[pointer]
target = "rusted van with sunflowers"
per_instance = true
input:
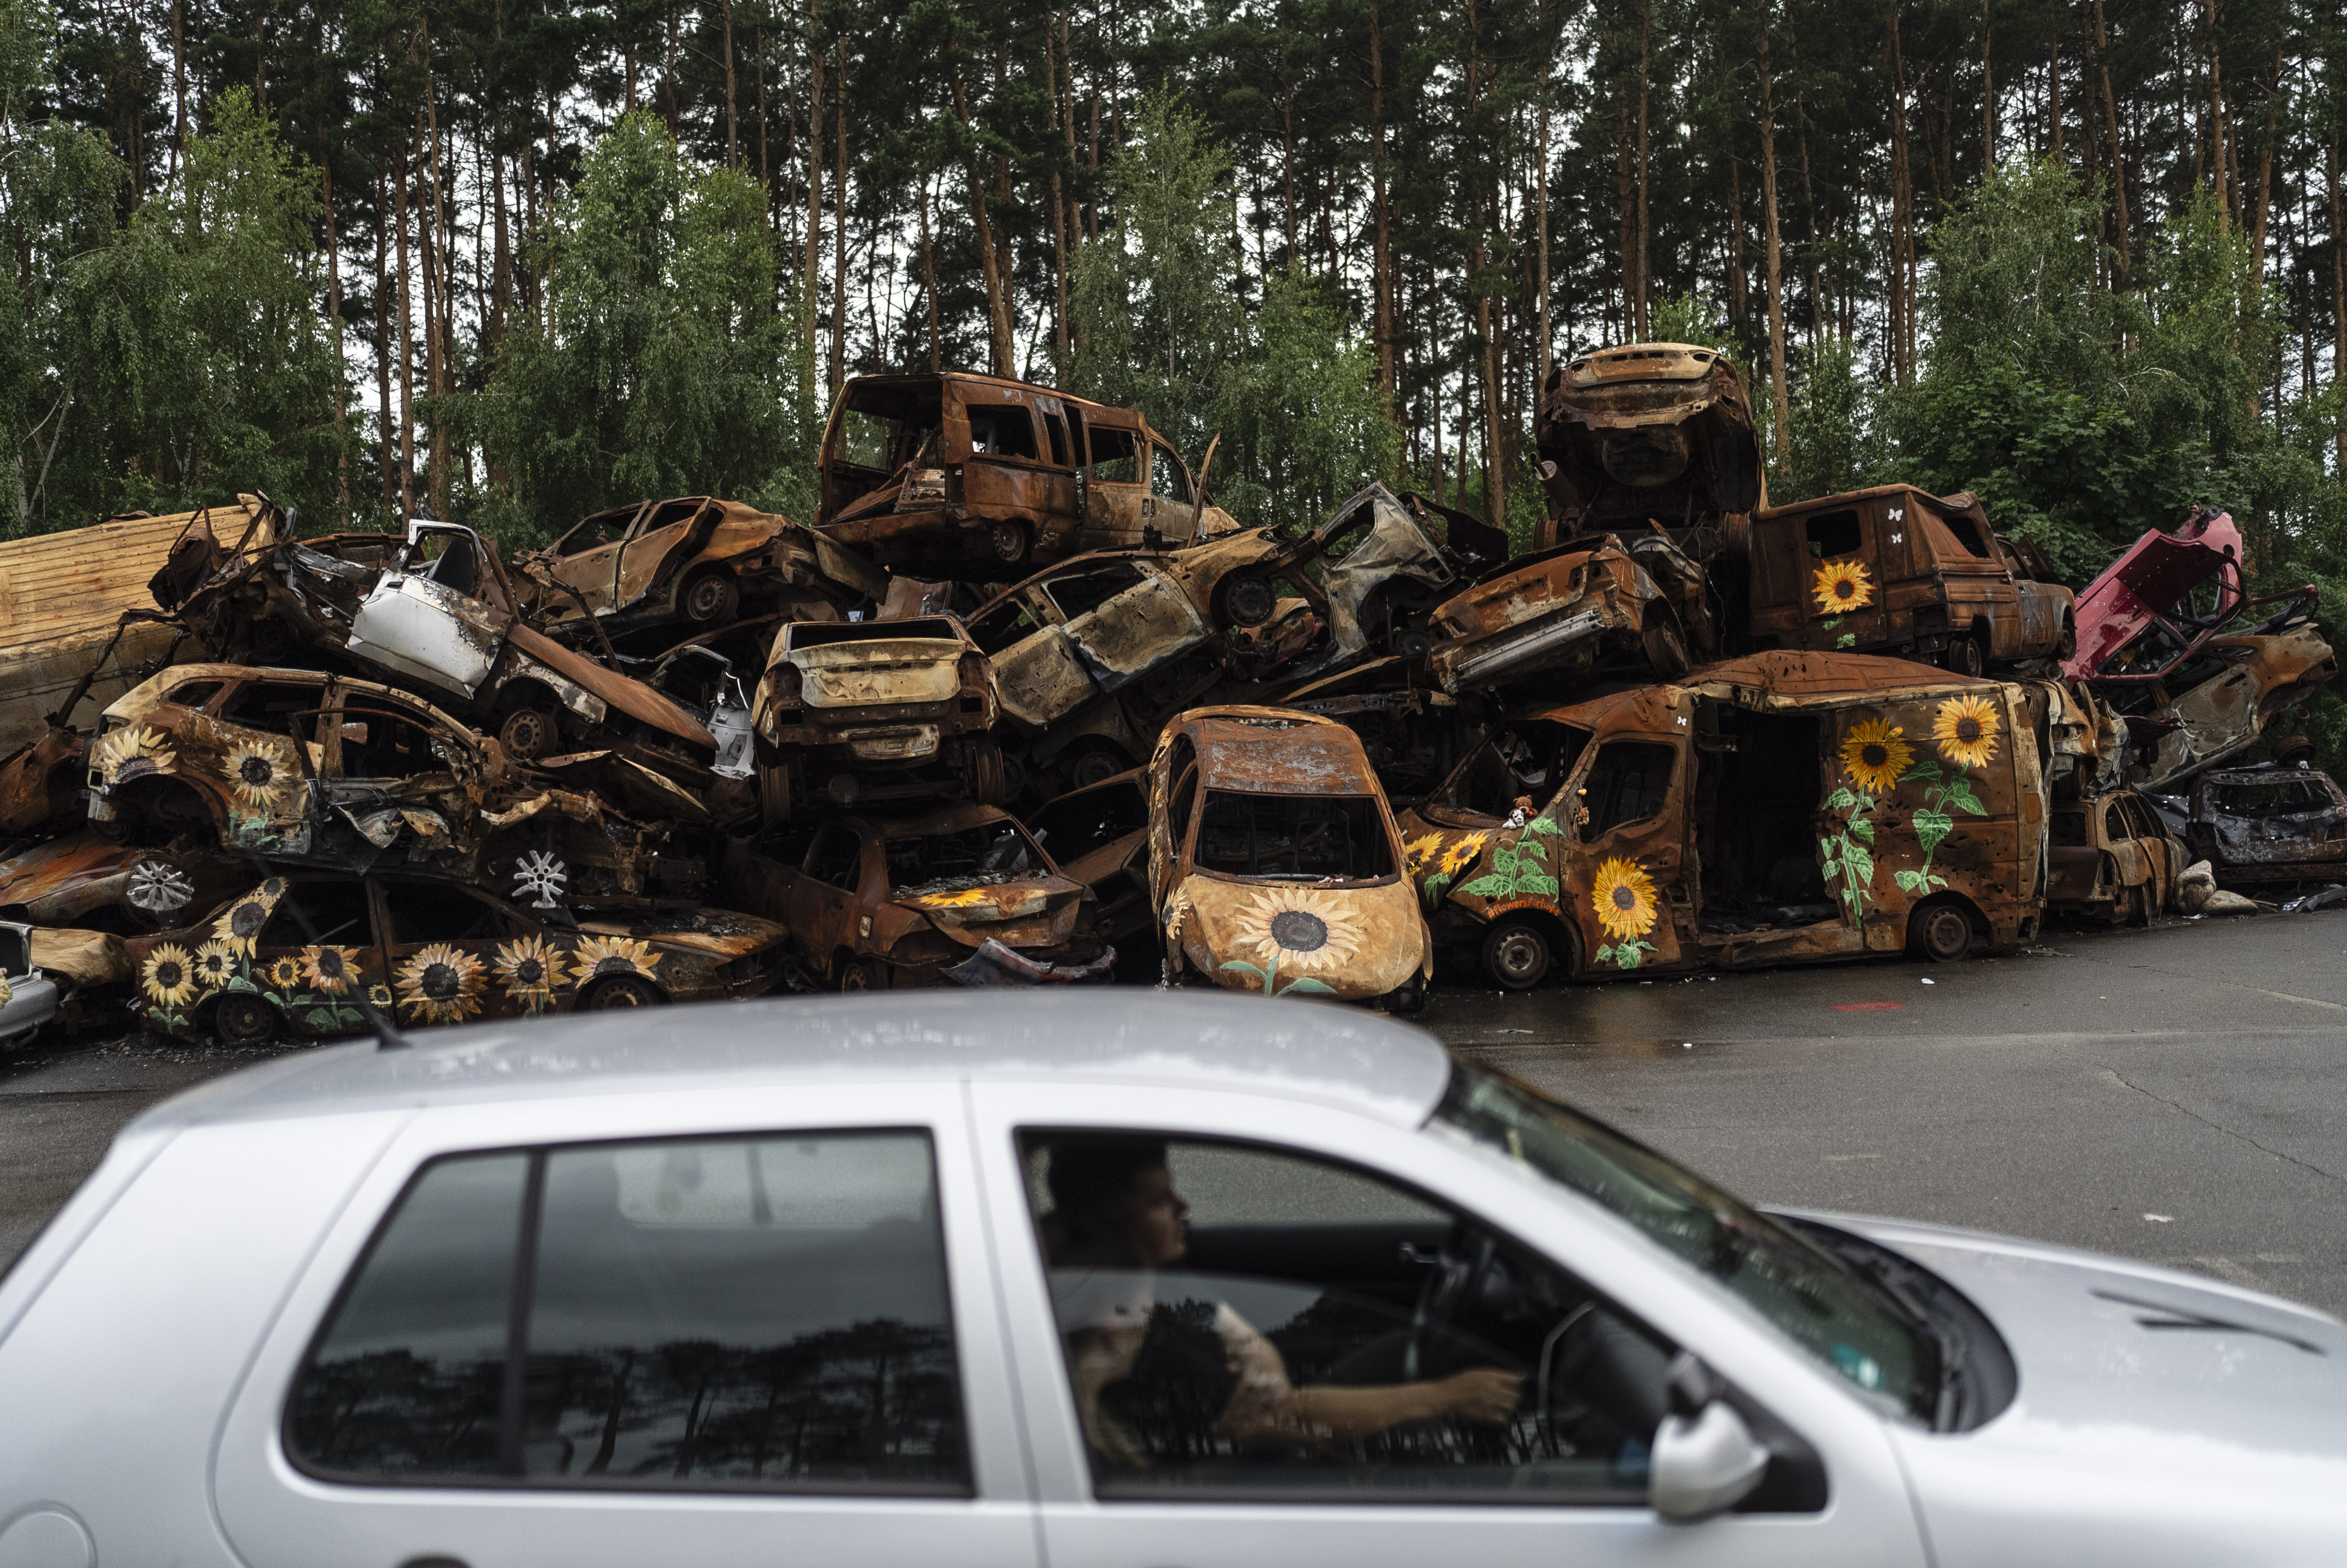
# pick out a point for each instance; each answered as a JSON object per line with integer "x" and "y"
{"x": 1899, "y": 570}
{"x": 1275, "y": 863}
{"x": 1772, "y": 809}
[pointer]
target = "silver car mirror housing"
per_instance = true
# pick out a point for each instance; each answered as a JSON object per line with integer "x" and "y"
{"x": 1705, "y": 1460}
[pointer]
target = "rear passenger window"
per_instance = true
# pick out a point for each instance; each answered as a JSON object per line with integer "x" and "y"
{"x": 765, "y": 1312}
{"x": 1833, "y": 534}
{"x": 1628, "y": 784}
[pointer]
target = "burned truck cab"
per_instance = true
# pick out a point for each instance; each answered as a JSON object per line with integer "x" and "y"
{"x": 959, "y": 476}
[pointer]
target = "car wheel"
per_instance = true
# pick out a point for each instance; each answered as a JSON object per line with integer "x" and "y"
{"x": 1008, "y": 542}
{"x": 1245, "y": 600}
{"x": 1941, "y": 932}
{"x": 710, "y": 599}
{"x": 987, "y": 782}
{"x": 2139, "y": 905}
{"x": 1666, "y": 647}
{"x": 621, "y": 991}
{"x": 859, "y": 975}
{"x": 2067, "y": 645}
{"x": 774, "y": 795}
{"x": 1516, "y": 955}
{"x": 528, "y": 734}
{"x": 1094, "y": 768}
{"x": 240, "y": 1017}
{"x": 1407, "y": 1000}
{"x": 1968, "y": 656}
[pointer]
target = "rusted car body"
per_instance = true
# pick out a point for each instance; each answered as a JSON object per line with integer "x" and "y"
{"x": 1649, "y": 436}
{"x": 1585, "y": 607}
{"x": 41, "y": 784}
{"x": 292, "y": 954}
{"x": 1895, "y": 569}
{"x": 2268, "y": 825}
{"x": 81, "y": 880}
{"x": 64, "y": 598}
{"x": 875, "y": 711}
{"x": 1772, "y": 809}
{"x": 2189, "y": 711}
{"x": 2184, "y": 582}
{"x": 1413, "y": 733}
{"x": 923, "y": 901}
{"x": 693, "y": 563}
{"x": 1275, "y": 866}
{"x": 961, "y": 475}
{"x": 2111, "y": 857}
{"x": 1100, "y": 837}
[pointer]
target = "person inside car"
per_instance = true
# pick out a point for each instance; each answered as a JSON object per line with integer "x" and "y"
{"x": 1163, "y": 1379}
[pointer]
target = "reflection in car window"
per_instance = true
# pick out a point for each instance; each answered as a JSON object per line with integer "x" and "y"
{"x": 1248, "y": 1318}
{"x": 1293, "y": 835}
{"x": 1815, "y": 1298}
{"x": 766, "y": 1312}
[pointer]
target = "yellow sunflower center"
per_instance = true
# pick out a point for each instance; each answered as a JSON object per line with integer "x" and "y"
{"x": 1299, "y": 931}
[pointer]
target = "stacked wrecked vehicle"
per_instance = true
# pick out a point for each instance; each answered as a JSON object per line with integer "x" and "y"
{"x": 1020, "y": 706}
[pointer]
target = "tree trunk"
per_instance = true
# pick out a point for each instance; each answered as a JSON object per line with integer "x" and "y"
{"x": 1381, "y": 260}
{"x": 839, "y": 218}
{"x": 1988, "y": 93}
{"x": 178, "y": 93}
{"x": 1645, "y": 69}
{"x": 2111, "y": 119}
{"x": 814, "y": 185}
{"x": 997, "y": 307}
{"x": 1782, "y": 402}
{"x": 1059, "y": 212}
{"x": 668, "y": 71}
{"x": 1903, "y": 219}
{"x": 1540, "y": 282}
{"x": 929, "y": 277}
{"x": 1288, "y": 164}
{"x": 406, "y": 361}
{"x": 2338, "y": 297}
{"x": 342, "y": 367}
{"x": 733, "y": 132}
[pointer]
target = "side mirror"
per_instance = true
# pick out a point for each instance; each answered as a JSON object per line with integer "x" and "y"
{"x": 1705, "y": 1460}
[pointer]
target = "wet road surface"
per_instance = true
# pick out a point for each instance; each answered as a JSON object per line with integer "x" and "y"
{"x": 2177, "y": 1095}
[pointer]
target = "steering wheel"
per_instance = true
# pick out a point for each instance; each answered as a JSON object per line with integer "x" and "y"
{"x": 1467, "y": 1256}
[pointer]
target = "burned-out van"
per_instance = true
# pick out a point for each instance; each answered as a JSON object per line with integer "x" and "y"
{"x": 1771, "y": 809}
{"x": 1895, "y": 569}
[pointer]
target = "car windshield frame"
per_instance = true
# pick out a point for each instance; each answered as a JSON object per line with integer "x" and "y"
{"x": 1876, "y": 1345}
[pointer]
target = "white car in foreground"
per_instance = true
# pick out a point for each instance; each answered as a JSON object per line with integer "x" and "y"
{"x": 1078, "y": 1279}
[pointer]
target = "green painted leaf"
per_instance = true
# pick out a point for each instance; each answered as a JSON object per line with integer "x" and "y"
{"x": 1493, "y": 887}
{"x": 1535, "y": 882}
{"x": 1606, "y": 954}
{"x": 1912, "y": 881}
{"x": 1530, "y": 851}
{"x": 1863, "y": 827}
{"x": 1862, "y": 862}
{"x": 1965, "y": 800}
{"x": 1243, "y": 966}
{"x": 320, "y": 1019}
{"x": 1932, "y": 828}
{"x": 1541, "y": 825}
{"x": 1846, "y": 639}
{"x": 1630, "y": 954}
{"x": 1308, "y": 987}
{"x": 1841, "y": 798}
{"x": 240, "y": 983}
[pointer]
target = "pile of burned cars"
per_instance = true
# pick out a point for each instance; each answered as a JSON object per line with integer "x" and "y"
{"x": 1020, "y": 705}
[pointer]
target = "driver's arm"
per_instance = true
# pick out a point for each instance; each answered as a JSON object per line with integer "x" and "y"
{"x": 1265, "y": 1404}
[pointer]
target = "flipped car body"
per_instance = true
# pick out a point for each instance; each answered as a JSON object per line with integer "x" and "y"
{"x": 1649, "y": 436}
{"x": 1566, "y": 612}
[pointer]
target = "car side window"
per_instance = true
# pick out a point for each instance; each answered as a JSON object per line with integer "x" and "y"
{"x": 1628, "y": 782}
{"x": 787, "y": 843}
{"x": 1001, "y": 430}
{"x": 1238, "y": 1318}
{"x": 433, "y": 912}
{"x": 837, "y": 857}
{"x": 1081, "y": 592}
{"x": 765, "y": 1312}
{"x": 336, "y": 912}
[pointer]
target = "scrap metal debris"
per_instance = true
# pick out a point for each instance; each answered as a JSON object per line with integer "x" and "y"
{"x": 1020, "y": 697}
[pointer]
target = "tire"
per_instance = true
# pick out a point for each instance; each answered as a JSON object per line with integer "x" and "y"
{"x": 621, "y": 991}
{"x": 1244, "y": 599}
{"x": 1967, "y": 656}
{"x": 2139, "y": 905}
{"x": 858, "y": 975}
{"x": 774, "y": 795}
{"x": 1517, "y": 955}
{"x": 709, "y": 598}
{"x": 1407, "y": 1000}
{"x": 987, "y": 782}
{"x": 1006, "y": 541}
{"x": 1095, "y": 767}
{"x": 1665, "y": 646}
{"x": 1939, "y": 931}
{"x": 242, "y": 1018}
{"x": 529, "y": 732}
{"x": 2067, "y": 646}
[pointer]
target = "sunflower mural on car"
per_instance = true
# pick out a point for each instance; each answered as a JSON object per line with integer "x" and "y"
{"x": 1434, "y": 865}
{"x": 170, "y": 982}
{"x": 216, "y": 963}
{"x": 532, "y": 971}
{"x": 1623, "y": 896}
{"x": 1874, "y": 754}
{"x": 1301, "y": 930}
{"x": 330, "y": 969}
{"x": 239, "y": 924}
{"x": 134, "y": 752}
{"x": 1964, "y": 730}
{"x": 599, "y": 958}
{"x": 1842, "y": 585}
{"x": 441, "y": 983}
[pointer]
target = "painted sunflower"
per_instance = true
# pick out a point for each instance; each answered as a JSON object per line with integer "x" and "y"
{"x": 440, "y": 984}
{"x": 601, "y": 955}
{"x": 1842, "y": 585}
{"x": 1965, "y": 731}
{"x": 333, "y": 970}
{"x": 215, "y": 962}
{"x": 285, "y": 973}
{"x": 261, "y": 773}
{"x": 379, "y": 994}
{"x": 133, "y": 753}
{"x": 1419, "y": 854}
{"x": 1876, "y": 753}
{"x": 1622, "y": 894}
{"x": 169, "y": 976}
{"x": 1301, "y": 929}
{"x": 242, "y": 921}
{"x": 532, "y": 971}
{"x": 1462, "y": 853}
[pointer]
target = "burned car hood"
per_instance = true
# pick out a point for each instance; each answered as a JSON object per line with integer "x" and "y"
{"x": 1660, "y": 431}
{"x": 721, "y": 933}
{"x": 1025, "y": 910}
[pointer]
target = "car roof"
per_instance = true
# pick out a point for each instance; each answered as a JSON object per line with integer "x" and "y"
{"x": 1295, "y": 1050}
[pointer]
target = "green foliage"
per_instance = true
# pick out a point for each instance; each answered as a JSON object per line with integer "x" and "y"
{"x": 1847, "y": 857}
{"x": 1832, "y": 446}
{"x": 663, "y": 367}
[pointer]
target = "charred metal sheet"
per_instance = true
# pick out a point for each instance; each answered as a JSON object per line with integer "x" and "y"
{"x": 1649, "y": 435}
{"x": 83, "y": 960}
{"x": 2189, "y": 577}
{"x": 2110, "y": 857}
{"x": 1572, "y": 611}
{"x": 1895, "y": 569}
{"x": 1385, "y": 577}
{"x": 2212, "y": 704}
{"x": 1275, "y": 866}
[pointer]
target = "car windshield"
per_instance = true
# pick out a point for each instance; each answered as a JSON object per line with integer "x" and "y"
{"x": 960, "y": 859}
{"x": 1293, "y": 836}
{"x": 1822, "y": 1304}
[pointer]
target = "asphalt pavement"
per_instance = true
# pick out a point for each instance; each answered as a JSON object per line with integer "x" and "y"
{"x": 2177, "y": 1094}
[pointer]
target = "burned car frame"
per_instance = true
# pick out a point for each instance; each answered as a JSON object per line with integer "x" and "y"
{"x": 1653, "y": 436}
{"x": 2111, "y": 857}
{"x": 1575, "y": 610}
{"x": 2268, "y": 825}
{"x": 2194, "y": 697}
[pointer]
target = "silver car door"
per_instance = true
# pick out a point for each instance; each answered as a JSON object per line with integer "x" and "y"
{"x": 1265, "y": 1495}
{"x": 759, "y": 1326}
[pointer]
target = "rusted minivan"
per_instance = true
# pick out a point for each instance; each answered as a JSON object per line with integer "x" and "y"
{"x": 957, "y": 475}
{"x": 1273, "y": 863}
{"x": 1771, "y": 809}
{"x": 1895, "y": 569}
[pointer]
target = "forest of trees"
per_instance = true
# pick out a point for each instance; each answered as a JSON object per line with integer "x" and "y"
{"x": 516, "y": 259}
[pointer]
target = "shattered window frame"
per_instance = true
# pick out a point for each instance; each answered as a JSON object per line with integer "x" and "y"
{"x": 1366, "y": 852}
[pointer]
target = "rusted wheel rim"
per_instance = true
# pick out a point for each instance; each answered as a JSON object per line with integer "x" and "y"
{"x": 704, "y": 598}
{"x": 244, "y": 1020}
{"x": 528, "y": 734}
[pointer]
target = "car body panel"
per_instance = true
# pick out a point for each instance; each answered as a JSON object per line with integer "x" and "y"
{"x": 1223, "y": 925}
{"x": 2156, "y": 578}
{"x": 1649, "y": 435}
{"x": 914, "y": 698}
{"x": 1561, "y": 612}
{"x": 2212, "y": 703}
{"x": 1102, "y": 834}
{"x": 81, "y": 880}
{"x": 1705, "y": 877}
{"x": 28, "y": 998}
{"x": 2112, "y": 856}
{"x": 1920, "y": 572}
